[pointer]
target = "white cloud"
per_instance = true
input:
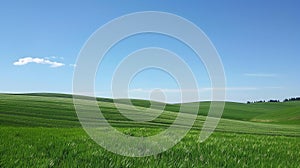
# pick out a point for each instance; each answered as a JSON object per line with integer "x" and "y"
{"x": 260, "y": 75}
{"x": 26, "y": 60}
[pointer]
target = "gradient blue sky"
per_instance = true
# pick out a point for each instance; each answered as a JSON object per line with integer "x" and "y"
{"x": 258, "y": 42}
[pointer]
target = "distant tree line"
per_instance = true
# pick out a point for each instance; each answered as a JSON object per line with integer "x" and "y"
{"x": 285, "y": 100}
{"x": 292, "y": 99}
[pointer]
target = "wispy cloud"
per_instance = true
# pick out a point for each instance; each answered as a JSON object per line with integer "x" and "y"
{"x": 72, "y": 65}
{"x": 194, "y": 90}
{"x": 26, "y": 60}
{"x": 260, "y": 74}
{"x": 274, "y": 87}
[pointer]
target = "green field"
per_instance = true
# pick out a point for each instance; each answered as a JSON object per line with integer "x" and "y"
{"x": 42, "y": 130}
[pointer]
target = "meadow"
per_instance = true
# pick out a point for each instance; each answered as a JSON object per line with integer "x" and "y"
{"x": 42, "y": 130}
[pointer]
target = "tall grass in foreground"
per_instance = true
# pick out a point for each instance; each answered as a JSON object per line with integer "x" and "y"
{"x": 71, "y": 147}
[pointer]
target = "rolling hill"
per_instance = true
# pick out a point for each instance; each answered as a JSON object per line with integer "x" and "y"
{"x": 60, "y": 107}
{"x": 42, "y": 130}
{"x": 57, "y": 110}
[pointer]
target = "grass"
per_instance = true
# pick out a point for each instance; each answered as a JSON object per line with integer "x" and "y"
{"x": 279, "y": 112}
{"x": 42, "y": 130}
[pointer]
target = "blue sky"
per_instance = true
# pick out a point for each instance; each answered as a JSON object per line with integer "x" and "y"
{"x": 258, "y": 42}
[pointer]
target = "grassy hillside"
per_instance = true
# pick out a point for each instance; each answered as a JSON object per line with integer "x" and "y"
{"x": 277, "y": 112}
{"x": 57, "y": 110}
{"x": 268, "y": 112}
{"x": 42, "y": 130}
